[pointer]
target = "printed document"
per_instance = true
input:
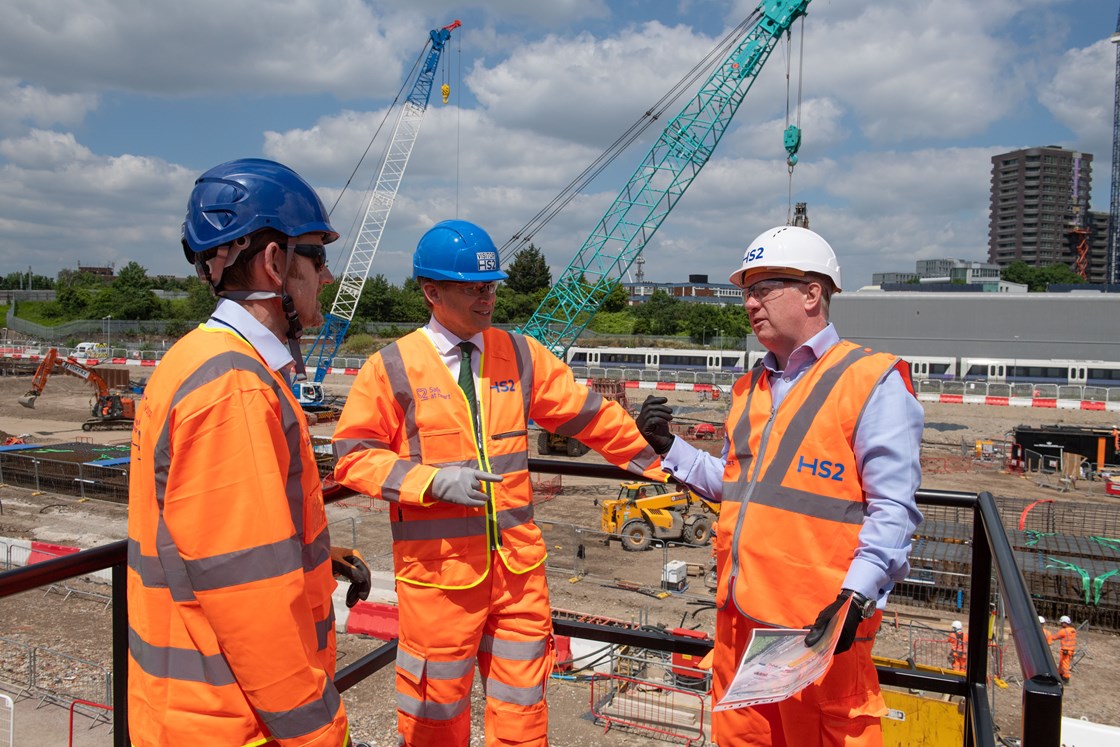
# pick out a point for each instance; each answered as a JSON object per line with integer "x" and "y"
{"x": 778, "y": 664}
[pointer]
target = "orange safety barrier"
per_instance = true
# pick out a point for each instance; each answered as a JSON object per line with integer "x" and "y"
{"x": 546, "y": 489}
{"x": 938, "y": 652}
{"x": 670, "y": 712}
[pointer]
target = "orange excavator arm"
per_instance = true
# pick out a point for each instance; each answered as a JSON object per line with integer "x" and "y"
{"x": 47, "y": 367}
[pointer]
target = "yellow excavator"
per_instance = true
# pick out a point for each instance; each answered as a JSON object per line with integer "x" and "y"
{"x": 110, "y": 410}
{"x": 645, "y": 511}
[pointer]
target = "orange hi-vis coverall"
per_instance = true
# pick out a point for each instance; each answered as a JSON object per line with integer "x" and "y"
{"x": 471, "y": 581}
{"x": 1067, "y": 634}
{"x": 788, "y": 528}
{"x": 231, "y": 624}
{"x": 957, "y": 647}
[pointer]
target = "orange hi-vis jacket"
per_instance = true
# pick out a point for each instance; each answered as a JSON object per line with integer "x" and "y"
{"x": 793, "y": 503}
{"x": 406, "y": 417}
{"x": 231, "y": 625}
{"x": 1067, "y": 634}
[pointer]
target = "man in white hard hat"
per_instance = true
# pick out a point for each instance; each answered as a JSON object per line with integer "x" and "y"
{"x": 817, "y": 479}
{"x": 957, "y": 646}
{"x": 1067, "y": 634}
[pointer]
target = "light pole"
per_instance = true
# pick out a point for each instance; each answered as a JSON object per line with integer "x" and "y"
{"x": 720, "y": 333}
{"x": 108, "y": 331}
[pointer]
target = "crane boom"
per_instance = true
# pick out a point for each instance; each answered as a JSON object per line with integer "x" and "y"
{"x": 378, "y": 205}
{"x": 679, "y": 154}
{"x": 1113, "y": 268}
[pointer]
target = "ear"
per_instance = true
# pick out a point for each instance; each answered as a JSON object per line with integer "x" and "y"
{"x": 273, "y": 263}
{"x": 813, "y": 295}
{"x": 431, "y": 292}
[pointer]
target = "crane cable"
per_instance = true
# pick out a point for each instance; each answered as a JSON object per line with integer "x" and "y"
{"x": 791, "y": 158}
{"x": 373, "y": 139}
{"x": 632, "y": 133}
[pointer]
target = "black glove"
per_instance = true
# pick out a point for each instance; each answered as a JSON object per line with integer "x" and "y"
{"x": 653, "y": 423}
{"x": 349, "y": 564}
{"x": 850, "y": 623}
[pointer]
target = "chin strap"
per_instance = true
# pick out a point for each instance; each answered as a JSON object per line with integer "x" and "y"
{"x": 295, "y": 329}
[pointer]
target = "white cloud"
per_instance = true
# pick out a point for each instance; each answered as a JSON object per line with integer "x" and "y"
{"x": 1081, "y": 96}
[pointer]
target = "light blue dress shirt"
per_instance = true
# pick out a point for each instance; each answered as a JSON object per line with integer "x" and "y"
{"x": 887, "y": 445}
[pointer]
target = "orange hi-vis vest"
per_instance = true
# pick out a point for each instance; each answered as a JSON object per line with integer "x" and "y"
{"x": 793, "y": 503}
{"x": 406, "y": 417}
{"x": 231, "y": 623}
{"x": 1068, "y": 637}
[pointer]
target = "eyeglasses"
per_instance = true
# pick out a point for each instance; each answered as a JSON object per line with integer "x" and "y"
{"x": 762, "y": 290}
{"x": 317, "y": 253}
{"x": 475, "y": 290}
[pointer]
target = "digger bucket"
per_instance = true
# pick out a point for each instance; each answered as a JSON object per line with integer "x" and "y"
{"x": 28, "y": 400}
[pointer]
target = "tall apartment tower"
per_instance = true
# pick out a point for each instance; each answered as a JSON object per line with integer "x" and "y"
{"x": 1038, "y": 194}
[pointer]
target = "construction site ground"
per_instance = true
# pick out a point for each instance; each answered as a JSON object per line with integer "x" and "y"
{"x": 585, "y": 576}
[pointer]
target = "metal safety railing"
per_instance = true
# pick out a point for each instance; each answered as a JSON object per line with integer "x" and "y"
{"x": 992, "y": 555}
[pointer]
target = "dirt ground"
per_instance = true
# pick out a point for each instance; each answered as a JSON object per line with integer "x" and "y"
{"x": 599, "y": 580}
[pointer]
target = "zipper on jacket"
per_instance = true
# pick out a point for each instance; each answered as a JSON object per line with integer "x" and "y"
{"x": 493, "y": 534}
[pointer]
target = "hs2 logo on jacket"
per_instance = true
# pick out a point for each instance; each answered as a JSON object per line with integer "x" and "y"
{"x": 821, "y": 468}
{"x": 506, "y": 385}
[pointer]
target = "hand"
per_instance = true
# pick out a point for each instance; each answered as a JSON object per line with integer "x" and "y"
{"x": 653, "y": 423}
{"x": 349, "y": 563}
{"x": 850, "y": 623}
{"x": 462, "y": 485}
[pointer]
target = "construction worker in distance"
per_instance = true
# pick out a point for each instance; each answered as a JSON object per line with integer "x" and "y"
{"x": 817, "y": 481}
{"x": 437, "y": 424}
{"x": 1067, "y": 634}
{"x": 958, "y": 644}
{"x": 231, "y": 570}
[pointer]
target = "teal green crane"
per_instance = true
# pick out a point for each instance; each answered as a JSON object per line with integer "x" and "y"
{"x": 659, "y": 182}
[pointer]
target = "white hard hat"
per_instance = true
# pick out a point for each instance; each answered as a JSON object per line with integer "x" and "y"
{"x": 1064, "y": 620}
{"x": 788, "y": 248}
{"x": 956, "y": 625}
{"x": 1041, "y": 620}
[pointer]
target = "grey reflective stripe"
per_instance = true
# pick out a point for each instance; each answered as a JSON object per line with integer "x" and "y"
{"x": 175, "y": 570}
{"x": 514, "y": 517}
{"x": 414, "y": 665}
{"x": 147, "y": 567}
{"x": 391, "y": 488}
{"x": 523, "y": 696}
{"x": 306, "y": 718}
{"x": 644, "y": 459}
{"x": 805, "y": 503}
{"x": 430, "y": 710}
{"x": 505, "y": 464}
{"x": 402, "y": 392}
{"x": 514, "y": 650}
{"x": 524, "y": 360}
{"x": 855, "y": 429}
{"x": 185, "y": 664}
{"x": 345, "y": 446}
{"x": 323, "y": 629}
{"x": 734, "y": 491}
{"x": 245, "y": 566}
{"x": 803, "y": 419}
{"x": 434, "y": 529}
{"x": 586, "y": 414}
{"x": 449, "y": 670}
{"x": 151, "y": 574}
{"x": 466, "y": 463}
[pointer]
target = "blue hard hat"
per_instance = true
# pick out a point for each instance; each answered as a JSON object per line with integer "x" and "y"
{"x": 459, "y": 251}
{"x": 237, "y": 198}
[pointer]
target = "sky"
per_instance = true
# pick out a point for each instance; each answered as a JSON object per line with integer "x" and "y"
{"x": 109, "y": 109}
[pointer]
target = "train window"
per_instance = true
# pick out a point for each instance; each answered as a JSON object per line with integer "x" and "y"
{"x": 938, "y": 369}
{"x": 578, "y": 358}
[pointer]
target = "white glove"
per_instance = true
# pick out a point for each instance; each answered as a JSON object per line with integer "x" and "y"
{"x": 462, "y": 485}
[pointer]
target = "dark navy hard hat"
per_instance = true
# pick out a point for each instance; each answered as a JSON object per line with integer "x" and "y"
{"x": 240, "y": 197}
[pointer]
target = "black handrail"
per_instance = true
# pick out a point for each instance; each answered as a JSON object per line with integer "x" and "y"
{"x": 1042, "y": 689}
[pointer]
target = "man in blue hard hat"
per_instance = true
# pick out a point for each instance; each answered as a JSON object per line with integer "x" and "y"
{"x": 437, "y": 424}
{"x": 231, "y": 570}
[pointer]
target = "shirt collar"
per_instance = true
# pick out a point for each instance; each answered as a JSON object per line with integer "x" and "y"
{"x": 232, "y": 315}
{"x": 805, "y": 354}
{"x": 446, "y": 341}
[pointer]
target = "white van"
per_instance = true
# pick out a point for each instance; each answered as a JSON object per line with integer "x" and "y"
{"x": 90, "y": 350}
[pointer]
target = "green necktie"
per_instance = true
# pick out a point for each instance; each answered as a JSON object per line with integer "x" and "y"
{"x": 466, "y": 379}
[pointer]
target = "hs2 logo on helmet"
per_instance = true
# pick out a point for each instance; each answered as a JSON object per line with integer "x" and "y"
{"x": 487, "y": 261}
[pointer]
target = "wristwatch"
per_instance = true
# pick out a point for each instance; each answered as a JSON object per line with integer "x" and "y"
{"x": 865, "y": 606}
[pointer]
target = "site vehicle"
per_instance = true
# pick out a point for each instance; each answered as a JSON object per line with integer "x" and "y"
{"x": 554, "y": 443}
{"x": 111, "y": 409}
{"x": 644, "y": 511}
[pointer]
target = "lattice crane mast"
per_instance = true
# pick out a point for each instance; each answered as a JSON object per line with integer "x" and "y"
{"x": 378, "y": 205}
{"x": 1113, "y": 269}
{"x": 679, "y": 154}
